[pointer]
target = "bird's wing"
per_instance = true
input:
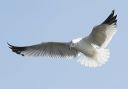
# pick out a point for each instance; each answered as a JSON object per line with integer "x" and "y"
{"x": 52, "y": 49}
{"x": 103, "y": 33}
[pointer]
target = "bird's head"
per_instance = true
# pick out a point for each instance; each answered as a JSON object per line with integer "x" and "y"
{"x": 72, "y": 44}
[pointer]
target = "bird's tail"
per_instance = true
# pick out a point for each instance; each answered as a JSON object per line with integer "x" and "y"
{"x": 97, "y": 60}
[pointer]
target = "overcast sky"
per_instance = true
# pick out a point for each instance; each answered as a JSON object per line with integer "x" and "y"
{"x": 26, "y": 22}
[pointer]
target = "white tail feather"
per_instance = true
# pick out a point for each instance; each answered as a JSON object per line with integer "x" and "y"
{"x": 97, "y": 60}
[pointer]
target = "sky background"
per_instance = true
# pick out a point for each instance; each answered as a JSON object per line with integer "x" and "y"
{"x": 26, "y": 22}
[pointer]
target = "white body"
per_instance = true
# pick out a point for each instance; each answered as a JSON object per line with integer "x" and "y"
{"x": 91, "y": 54}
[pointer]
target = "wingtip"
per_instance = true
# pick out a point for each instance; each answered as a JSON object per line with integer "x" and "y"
{"x": 111, "y": 18}
{"x": 16, "y": 49}
{"x": 9, "y": 45}
{"x": 113, "y": 11}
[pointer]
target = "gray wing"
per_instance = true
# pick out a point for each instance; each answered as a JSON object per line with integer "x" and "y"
{"x": 52, "y": 49}
{"x": 102, "y": 34}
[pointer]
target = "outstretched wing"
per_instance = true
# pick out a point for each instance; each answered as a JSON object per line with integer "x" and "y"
{"x": 102, "y": 34}
{"x": 52, "y": 49}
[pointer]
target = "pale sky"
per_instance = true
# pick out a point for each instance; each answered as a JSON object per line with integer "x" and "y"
{"x": 26, "y": 22}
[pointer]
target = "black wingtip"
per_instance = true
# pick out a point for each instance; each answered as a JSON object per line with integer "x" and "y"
{"x": 16, "y": 49}
{"x": 111, "y": 19}
{"x": 10, "y": 46}
{"x": 113, "y": 11}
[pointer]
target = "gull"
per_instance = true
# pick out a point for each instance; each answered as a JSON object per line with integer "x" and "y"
{"x": 91, "y": 50}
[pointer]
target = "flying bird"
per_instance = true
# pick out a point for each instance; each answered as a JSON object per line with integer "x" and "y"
{"x": 91, "y": 51}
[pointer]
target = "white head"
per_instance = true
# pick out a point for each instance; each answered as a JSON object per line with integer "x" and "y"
{"x": 74, "y": 42}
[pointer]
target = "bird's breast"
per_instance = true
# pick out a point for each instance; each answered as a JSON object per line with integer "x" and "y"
{"x": 86, "y": 48}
